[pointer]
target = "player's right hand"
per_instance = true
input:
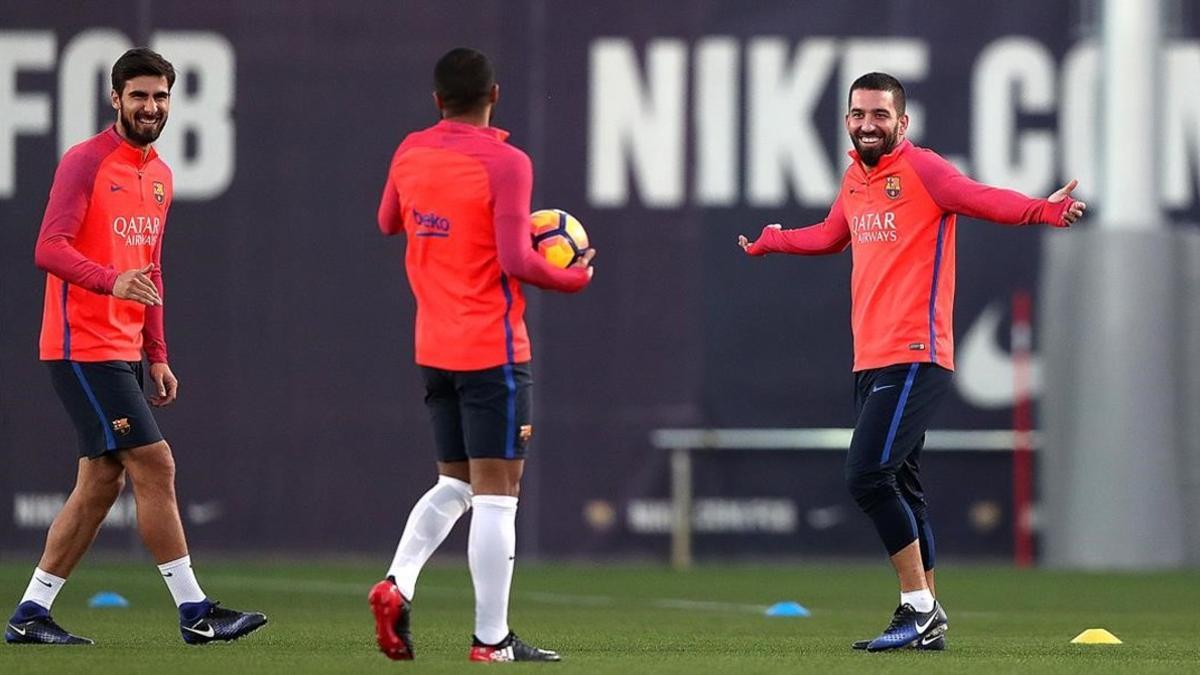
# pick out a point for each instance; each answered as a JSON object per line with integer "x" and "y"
{"x": 746, "y": 244}
{"x": 1075, "y": 208}
{"x": 585, "y": 261}
{"x": 136, "y": 285}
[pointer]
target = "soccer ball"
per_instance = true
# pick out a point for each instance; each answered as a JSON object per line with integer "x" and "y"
{"x": 558, "y": 237}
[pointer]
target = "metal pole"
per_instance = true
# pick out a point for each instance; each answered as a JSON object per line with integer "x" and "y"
{"x": 1022, "y": 347}
{"x": 681, "y": 503}
{"x": 1131, "y": 58}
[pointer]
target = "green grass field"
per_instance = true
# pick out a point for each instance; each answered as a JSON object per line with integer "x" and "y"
{"x": 631, "y": 619}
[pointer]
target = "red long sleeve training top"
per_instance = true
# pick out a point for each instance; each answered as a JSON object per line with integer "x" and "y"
{"x": 899, "y": 219}
{"x": 107, "y": 211}
{"x": 462, "y": 196}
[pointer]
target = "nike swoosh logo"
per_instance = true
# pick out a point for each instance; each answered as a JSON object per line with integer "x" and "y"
{"x": 114, "y": 188}
{"x": 928, "y": 639}
{"x": 47, "y": 584}
{"x": 168, "y": 574}
{"x": 922, "y": 629}
{"x": 886, "y": 386}
{"x": 16, "y": 630}
{"x": 206, "y": 633}
{"x": 984, "y": 376}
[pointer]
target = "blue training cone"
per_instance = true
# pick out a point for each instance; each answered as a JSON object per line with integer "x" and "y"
{"x": 788, "y": 608}
{"x": 108, "y": 599}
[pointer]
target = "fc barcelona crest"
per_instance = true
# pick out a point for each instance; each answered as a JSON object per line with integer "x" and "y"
{"x": 891, "y": 187}
{"x": 121, "y": 426}
{"x": 160, "y": 192}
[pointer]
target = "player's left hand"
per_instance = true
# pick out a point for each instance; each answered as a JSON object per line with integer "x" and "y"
{"x": 165, "y": 385}
{"x": 746, "y": 243}
{"x": 1075, "y": 210}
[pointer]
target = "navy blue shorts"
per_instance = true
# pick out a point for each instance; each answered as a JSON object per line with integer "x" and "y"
{"x": 480, "y": 414}
{"x": 106, "y": 404}
{"x": 895, "y": 406}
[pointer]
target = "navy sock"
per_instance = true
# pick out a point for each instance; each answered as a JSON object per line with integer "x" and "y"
{"x": 191, "y": 612}
{"x": 28, "y": 610}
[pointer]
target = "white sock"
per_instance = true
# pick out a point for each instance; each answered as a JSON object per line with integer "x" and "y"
{"x": 921, "y": 600}
{"x": 43, "y": 588}
{"x": 430, "y": 521}
{"x": 490, "y": 551}
{"x": 181, "y": 581}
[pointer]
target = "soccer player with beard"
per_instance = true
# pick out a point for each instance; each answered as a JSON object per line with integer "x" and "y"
{"x": 896, "y": 210}
{"x": 101, "y": 248}
{"x": 460, "y": 193}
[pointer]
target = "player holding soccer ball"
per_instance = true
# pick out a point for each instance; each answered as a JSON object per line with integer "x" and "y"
{"x": 461, "y": 195}
{"x": 896, "y": 210}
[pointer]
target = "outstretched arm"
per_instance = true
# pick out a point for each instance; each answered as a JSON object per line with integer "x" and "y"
{"x": 831, "y": 235}
{"x": 956, "y": 193}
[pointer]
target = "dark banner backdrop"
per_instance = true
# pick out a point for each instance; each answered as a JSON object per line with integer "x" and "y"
{"x": 300, "y": 425}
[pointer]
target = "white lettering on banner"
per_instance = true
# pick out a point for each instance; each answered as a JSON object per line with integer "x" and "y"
{"x": 636, "y": 123}
{"x": 637, "y": 120}
{"x": 21, "y": 112}
{"x": 203, "y": 112}
{"x": 1078, "y": 128}
{"x": 734, "y": 516}
{"x": 1181, "y": 126}
{"x": 1012, "y": 75}
{"x": 36, "y": 510}
{"x": 716, "y": 116}
{"x": 84, "y": 81}
{"x": 781, "y": 133}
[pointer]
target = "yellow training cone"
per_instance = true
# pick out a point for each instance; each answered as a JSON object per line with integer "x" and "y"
{"x": 1096, "y": 636}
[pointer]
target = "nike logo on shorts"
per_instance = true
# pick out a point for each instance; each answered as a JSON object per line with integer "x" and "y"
{"x": 879, "y": 388}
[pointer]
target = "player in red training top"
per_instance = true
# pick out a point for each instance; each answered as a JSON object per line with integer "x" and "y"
{"x": 461, "y": 195}
{"x": 101, "y": 246}
{"x": 896, "y": 210}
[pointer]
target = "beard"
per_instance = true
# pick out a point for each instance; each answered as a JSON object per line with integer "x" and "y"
{"x": 870, "y": 155}
{"x": 139, "y": 133}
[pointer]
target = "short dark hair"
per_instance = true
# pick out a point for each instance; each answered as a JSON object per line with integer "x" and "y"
{"x": 463, "y": 78}
{"x": 141, "y": 61}
{"x": 881, "y": 82}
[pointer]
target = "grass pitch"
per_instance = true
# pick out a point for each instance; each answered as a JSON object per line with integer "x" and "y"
{"x": 629, "y": 619}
